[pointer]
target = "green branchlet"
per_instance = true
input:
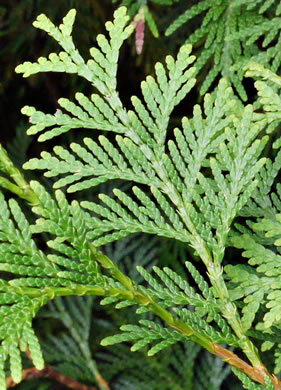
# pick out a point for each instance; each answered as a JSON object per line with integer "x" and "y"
{"x": 21, "y": 188}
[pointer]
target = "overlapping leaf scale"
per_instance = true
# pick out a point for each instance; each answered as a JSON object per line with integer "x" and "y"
{"x": 169, "y": 297}
{"x": 160, "y": 94}
{"x": 240, "y": 157}
{"x": 234, "y": 169}
{"x": 190, "y": 153}
{"x": 16, "y": 333}
{"x": 173, "y": 290}
{"x": 67, "y": 223}
{"x": 69, "y": 60}
{"x": 258, "y": 284}
{"x": 199, "y": 324}
{"x": 180, "y": 79}
{"x": 200, "y": 136}
{"x": 96, "y": 164}
{"x": 170, "y": 291}
{"x": 119, "y": 219}
{"x": 269, "y": 95}
{"x": 19, "y": 253}
{"x": 277, "y": 356}
{"x": 271, "y": 228}
{"x": 21, "y": 256}
{"x": 101, "y": 69}
{"x": 264, "y": 202}
{"x": 253, "y": 289}
{"x": 144, "y": 335}
{"x": 90, "y": 114}
{"x": 163, "y": 93}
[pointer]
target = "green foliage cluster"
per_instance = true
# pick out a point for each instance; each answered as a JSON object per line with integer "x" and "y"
{"x": 206, "y": 186}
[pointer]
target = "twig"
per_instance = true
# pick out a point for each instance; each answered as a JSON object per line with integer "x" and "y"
{"x": 258, "y": 374}
{"x": 49, "y": 373}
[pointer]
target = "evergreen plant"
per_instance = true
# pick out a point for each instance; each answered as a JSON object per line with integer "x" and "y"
{"x": 186, "y": 302}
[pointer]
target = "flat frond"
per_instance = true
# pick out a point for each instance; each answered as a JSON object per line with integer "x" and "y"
{"x": 146, "y": 334}
{"x": 258, "y": 283}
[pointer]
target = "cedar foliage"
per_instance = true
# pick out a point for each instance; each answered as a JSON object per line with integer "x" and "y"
{"x": 206, "y": 186}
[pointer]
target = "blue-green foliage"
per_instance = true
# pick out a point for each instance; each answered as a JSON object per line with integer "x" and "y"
{"x": 228, "y": 35}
